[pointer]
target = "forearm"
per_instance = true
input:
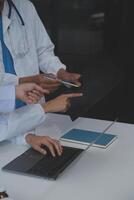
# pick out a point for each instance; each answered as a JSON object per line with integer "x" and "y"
{"x": 21, "y": 121}
{"x": 21, "y": 139}
{"x": 50, "y": 64}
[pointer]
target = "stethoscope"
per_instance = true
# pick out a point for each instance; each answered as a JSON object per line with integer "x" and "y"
{"x": 12, "y": 5}
{"x": 24, "y": 50}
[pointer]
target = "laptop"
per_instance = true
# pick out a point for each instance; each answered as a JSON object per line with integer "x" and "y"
{"x": 34, "y": 163}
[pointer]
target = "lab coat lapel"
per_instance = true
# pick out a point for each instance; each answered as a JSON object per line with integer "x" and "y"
{"x": 6, "y": 20}
{"x": 6, "y": 23}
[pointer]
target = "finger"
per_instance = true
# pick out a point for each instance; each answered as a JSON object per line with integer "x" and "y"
{"x": 38, "y": 93}
{"x": 73, "y": 95}
{"x": 78, "y": 83}
{"x": 29, "y": 99}
{"x": 39, "y": 149}
{"x": 52, "y": 86}
{"x": 57, "y": 146}
{"x": 50, "y": 75}
{"x": 49, "y": 86}
{"x": 44, "y": 91}
{"x": 48, "y": 80}
{"x": 33, "y": 95}
{"x": 61, "y": 148}
{"x": 76, "y": 76}
{"x": 51, "y": 147}
{"x": 73, "y": 76}
{"x": 40, "y": 89}
{"x": 32, "y": 99}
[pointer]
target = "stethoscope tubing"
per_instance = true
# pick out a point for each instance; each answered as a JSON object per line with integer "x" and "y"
{"x": 12, "y": 5}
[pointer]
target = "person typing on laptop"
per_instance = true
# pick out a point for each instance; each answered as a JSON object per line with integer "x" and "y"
{"x": 26, "y": 120}
{"x": 29, "y": 93}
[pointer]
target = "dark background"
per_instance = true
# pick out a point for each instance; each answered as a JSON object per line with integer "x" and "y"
{"x": 95, "y": 38}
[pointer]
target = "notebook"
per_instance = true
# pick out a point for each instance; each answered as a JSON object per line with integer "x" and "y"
{"x": 33, "y": 163}
{"x": 87, "y": 137}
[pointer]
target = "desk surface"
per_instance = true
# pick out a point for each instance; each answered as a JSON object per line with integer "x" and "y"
{"x": 97, "y": 174}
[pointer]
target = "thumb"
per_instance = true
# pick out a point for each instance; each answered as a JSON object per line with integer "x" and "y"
{"x": 76, "y": 76}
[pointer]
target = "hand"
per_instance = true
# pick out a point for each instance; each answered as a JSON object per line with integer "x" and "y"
{"x": 38, "y": 141}
{"x": 50, "y": 85}
{"x": 67, "y": 76}
{"x": 29, "y": 92}
{"x": 60, "y": 103}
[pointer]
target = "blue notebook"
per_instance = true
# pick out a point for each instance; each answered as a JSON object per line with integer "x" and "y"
{"x": 87, "y": 137}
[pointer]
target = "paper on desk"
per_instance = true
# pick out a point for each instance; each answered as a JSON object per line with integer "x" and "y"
{"x": 75, "y": 145}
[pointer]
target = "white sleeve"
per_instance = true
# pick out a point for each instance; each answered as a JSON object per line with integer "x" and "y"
{"x": 7, "y": 98}
{"x": 48, "y": 62}
{"x": 21, "y": 138}
{"x": 8, "y": 79}
{"x": 21, "y": 121}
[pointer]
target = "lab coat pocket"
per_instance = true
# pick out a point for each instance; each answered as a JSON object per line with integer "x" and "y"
{"x": 18, "y": 40}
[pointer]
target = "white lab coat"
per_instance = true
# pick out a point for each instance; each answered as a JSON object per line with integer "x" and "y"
{"x": 7, "y": 104}
{"x": 32, "y": 51}
{"x": 29, "y": 45}
{"x": 9, "y": 129}
{"x": 7, "y": 98}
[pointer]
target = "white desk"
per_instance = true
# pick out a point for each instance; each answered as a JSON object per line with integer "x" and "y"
{"x": 98, "y": 174}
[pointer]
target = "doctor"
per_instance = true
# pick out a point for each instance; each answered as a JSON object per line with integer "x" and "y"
{"x": 25, "y": 50}
{"x": 28, "y": 47}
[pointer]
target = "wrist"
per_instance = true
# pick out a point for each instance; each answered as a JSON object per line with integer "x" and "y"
{"x": 47, "y": 107}
{"x": 29, "y": 138}
{"x": 22, "y": 80}
{"x": 26, "y": 80}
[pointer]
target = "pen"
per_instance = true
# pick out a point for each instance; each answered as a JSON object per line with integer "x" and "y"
{"x": 66, "y": 83}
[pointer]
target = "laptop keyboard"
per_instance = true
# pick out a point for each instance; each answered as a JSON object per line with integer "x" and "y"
{"x": 51, "y": 166}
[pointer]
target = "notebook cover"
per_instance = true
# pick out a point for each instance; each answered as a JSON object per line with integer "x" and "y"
{"x": 87, "y": 137}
